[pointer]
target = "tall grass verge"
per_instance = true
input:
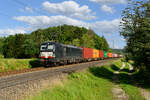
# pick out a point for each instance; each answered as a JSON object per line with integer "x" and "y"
{"x": 17, "y": 64}
{"x": 79, "y": 86}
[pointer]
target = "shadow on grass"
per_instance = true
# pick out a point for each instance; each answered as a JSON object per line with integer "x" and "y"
{"x": 124, "y": 78}
{"x": 35, "y": 63}
{"x": 126, "y": 70}
{"x": 114, "y": 67}
{"x": 143, "y": 79}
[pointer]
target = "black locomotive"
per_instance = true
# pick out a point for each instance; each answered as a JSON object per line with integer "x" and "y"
{"x": 57, "y": 53}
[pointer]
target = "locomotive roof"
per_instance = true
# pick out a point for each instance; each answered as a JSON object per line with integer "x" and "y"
{"x": 71, "y": 46}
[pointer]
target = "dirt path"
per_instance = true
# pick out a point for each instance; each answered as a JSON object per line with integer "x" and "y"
{"x": 130, "y": 67}
{"x": 145, "y": 93}
{"x": 122, "y": 67}
{"x": 117, "y": 91}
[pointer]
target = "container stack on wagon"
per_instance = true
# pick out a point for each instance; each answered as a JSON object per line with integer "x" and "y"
{"x": 87, "y": 53}
{"x": 95, "y": 54}
{"x": 105, "y": 54}
{"x": 101, "y": 54}
{"x": 111, "y": 55}
{"x": 108, "y": 55}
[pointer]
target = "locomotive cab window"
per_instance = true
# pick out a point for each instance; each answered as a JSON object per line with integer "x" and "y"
{"x": 43, "y": 47}
{"x": 51, "y": 47}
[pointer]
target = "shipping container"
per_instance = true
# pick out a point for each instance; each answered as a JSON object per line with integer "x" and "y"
{"x": 87, "y": 53}
{"x": 116, "y": 55}
{"x": 101, "y": 54}
{"x": 95, "y": 53}
{"x": 111, "y": 55}
{"x": 105, "y": 54}
{"x": 108, "y": 54}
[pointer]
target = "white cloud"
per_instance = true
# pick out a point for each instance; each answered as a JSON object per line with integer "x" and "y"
{"x": 122, "y": 39}
{"x": 69, "y": 8}
{"x": 36, "y": 22}
{"x": 109, "y": 1}
{"x": 106, "y": 26}
{"x": 6, "y": 32}
{"x": 26, "y": 9}
{"x": 46, "y": 21}
{"x": 107, "y": 9}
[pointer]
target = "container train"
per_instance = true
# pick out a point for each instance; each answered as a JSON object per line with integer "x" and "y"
{"x": 52, "y": 53}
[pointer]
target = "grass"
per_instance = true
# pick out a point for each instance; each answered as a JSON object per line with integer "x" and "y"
{"x": 17, "y": 64}
{"x": 94, "y": 84}
{"x": 79, "y": 86}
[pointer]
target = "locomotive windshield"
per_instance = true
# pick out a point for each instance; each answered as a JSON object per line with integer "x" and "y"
{"x": 43, "y": 47}
{"x": 50, "y": 47}
{"x": 47, "y": 47}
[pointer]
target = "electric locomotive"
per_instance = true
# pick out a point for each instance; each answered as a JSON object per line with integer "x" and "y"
{"x": 52, "y": 53}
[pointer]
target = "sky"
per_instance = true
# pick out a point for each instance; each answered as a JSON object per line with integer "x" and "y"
{"x": 25, "y": 16}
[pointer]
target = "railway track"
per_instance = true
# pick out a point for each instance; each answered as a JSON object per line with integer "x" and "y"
{"x": 13, "y": 72}
{"x": 17, "y": 79}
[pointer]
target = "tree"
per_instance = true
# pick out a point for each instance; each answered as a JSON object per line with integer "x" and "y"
{"x": 9, "y": 47}
{"x": 87, "y": 41}
{"x": 2, "y": 39}
{"x": 76, "y": 42}
{"x": 19, "y": 50}
{"x": 30, "y": 48}
{"x": 136, "y": 30}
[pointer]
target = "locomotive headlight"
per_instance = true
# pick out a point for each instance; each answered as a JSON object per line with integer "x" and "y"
{"x": 42, "y": 54}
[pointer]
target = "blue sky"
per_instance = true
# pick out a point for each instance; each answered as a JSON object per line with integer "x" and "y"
{"x": 25, "y": 16}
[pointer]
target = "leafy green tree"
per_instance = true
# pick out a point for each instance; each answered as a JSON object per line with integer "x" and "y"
{"x": 101, "y": 43}
{"x": 136, "y": 30}
{"x": 76, "y": 42}
{"x": 105, "y": 45}
{"x": 9, "y": 47}
{"x": 2, "y": 39}
{"x": 19, "y": 50}
{"x": 87, "y": 41}
{"x": 30, "y": 48}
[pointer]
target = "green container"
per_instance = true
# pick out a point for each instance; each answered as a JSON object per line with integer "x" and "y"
{"x": 105, "y": 54}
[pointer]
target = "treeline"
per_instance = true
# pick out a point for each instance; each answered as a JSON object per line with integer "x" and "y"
{"x": 119, "y": 51}
{"x": 136, "y": 30}
{"x": 27, "y": 45}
